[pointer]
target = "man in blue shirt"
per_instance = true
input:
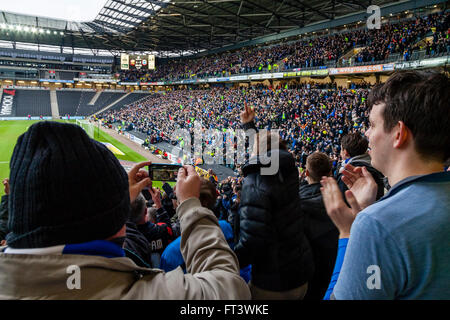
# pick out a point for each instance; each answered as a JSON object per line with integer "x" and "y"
{"x": 398, "y": 247}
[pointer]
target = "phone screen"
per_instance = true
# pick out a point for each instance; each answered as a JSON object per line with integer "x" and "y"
{"x": 163, "y": 172}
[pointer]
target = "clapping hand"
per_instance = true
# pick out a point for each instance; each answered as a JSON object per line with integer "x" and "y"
{"x": 341, "y": 215}
{"x": 361, "y": 194}
{"x": 361, "y": 183}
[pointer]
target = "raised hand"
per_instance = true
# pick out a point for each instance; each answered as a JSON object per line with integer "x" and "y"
{"x": 361, "y": 183}
{"x": 341, "y": 215}
{"x": 248, "y": 114}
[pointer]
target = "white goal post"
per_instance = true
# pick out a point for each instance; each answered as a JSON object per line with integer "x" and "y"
{"x": 88, "y": 127}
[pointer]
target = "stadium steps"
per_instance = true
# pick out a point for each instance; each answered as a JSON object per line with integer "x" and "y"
{"x": 423, "y": 42}
{"x": 94, "y": 99}
{"x": 54, "y": 104}
{"x": 112, "y": 104}
{"x": 350, "y": 55}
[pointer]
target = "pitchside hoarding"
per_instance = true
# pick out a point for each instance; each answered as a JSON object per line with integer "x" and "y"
{"x": 7, "y": 109}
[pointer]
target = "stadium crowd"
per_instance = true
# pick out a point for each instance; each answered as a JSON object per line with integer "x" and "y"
{"x": 261, "y": 236}
{"x": 378, "y": 44}
{"x": 309, "y": 118}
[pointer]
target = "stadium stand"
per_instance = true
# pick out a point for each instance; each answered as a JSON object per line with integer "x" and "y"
{"x": 32, "y": 102}
{"x": 374, "y": 122}
{"x": 76, "y": 102}
{"x": 394, "y": 41}
{"x": 132, "y": 98}
{"x": 68, "y": 101}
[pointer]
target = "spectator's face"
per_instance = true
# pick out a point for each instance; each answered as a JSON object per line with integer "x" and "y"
{"x": 380, "y": 142}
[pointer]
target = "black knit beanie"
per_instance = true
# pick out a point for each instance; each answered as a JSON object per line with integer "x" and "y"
{"x": 64, "y": 188}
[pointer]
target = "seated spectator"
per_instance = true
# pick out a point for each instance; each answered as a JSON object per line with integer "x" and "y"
{"x": 69, "y": 201}
{"x": 320, "y": 230}
{"x": 397, "y": 247}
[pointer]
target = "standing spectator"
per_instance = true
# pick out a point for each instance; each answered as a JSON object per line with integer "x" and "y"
{"x": 136, "y": 245}
{"x": 354, "y": 151}
{"x": 155, "y": 226}
{"x": 320, "y": 230}
{"x": 397, "y": 248}
{"x": 271, "y": 236}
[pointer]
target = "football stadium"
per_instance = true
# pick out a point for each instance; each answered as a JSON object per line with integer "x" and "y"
{"x": 225, "y": 150}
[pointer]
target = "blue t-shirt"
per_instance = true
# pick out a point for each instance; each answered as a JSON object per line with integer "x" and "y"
{"x": 399, "y": 247}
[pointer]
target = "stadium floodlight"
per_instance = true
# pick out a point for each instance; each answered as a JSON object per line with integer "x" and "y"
{"x": 3, "y": 26}
{"x": 54, "y": 32}
{"x": 41, "y": 30}
{"x": 34, "y": 30}
{"x": 48, "y": 31}
{"x": 26, "y": 29}
{"x": 61, "y": 33}
{"x": 10, "y": 27}
{"x": 18, "y": 28}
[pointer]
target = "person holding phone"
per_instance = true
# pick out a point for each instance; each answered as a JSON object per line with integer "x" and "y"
{"x": 80, "y": 241}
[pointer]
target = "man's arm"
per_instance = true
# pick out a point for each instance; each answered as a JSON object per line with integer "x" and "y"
{"x": 213, "y": 268}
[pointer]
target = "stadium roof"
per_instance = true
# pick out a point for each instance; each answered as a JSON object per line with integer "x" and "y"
{"x": 176, "y": 25}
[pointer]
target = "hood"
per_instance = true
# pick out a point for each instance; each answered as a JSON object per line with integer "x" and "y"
{"x": 310, "y": 190}
{"x": 254, "y": 164}
{"x": 361, "y": 159}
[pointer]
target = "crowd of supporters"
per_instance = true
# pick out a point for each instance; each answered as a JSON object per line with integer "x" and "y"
{"x": 362, "y": 231}
{"x": 309, "y": 118}
{"x": 400, "y": 37}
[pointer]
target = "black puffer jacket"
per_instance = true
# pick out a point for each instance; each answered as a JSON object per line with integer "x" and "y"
{"x": 323, "y": 237}
{"x": 271, "y": 227}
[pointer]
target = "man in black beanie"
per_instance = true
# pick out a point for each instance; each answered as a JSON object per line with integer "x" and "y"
{"x": 65, "y": 188}
{"x": 68, "y": 204}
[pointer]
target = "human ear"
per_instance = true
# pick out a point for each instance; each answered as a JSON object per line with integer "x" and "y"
{"x": 401, "y": 135}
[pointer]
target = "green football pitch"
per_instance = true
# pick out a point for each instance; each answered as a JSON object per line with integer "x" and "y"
{"x": 11, "y": 130}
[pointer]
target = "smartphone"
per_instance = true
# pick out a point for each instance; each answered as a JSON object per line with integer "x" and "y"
{"x": 146, "y": 193}
{"x": 163, "y": 172}
{"x": 167, "y": 189}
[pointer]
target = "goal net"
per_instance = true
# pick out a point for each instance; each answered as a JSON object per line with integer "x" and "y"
{"x": 88, "y": 127}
